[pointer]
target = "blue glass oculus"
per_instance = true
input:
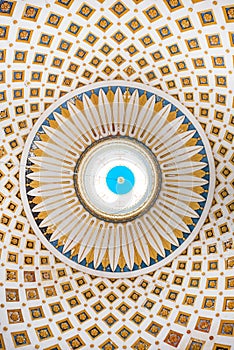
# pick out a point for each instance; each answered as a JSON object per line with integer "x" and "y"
{"x": 120, "y": 180}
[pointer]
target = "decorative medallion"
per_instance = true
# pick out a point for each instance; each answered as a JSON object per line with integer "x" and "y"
{"x": 117, "y": 179}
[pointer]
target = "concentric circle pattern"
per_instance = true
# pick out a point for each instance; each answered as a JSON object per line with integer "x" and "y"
{"x": 48, "y": 49}
{"x": 117, "y": 179}
{"x": 70, "y": 156}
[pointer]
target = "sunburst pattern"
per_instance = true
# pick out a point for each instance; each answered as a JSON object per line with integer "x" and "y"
{"x": 68, "y": 129}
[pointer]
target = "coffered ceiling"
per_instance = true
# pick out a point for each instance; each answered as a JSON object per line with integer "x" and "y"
{"x": 48, "y": 49}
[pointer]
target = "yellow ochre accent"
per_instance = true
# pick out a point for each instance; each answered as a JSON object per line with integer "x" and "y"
{"x": 65, "y": 113}
{"x": 171, "y": 116}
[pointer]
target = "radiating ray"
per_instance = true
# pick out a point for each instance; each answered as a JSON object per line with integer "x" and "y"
{"x": 144, "y": 117}
{"x": 53, "y": 189}
{"x": 58, "y": 137}
{"x": 67, "y": 225}
{"x": 59, "y": 215}
{"x": 190, "y": 165}
{"x": 131, "y": 113}
{"x": 180, "y": 154}
{"x": 78, "y": 231}
{"x": 118, "y": 108}
{"x": 61, "y": 139}
{"x": 82, "y": 126}
{"x": 53, "y": 167}
{"x": 50, "y": 176}
{"x": 89, "y": 239}
{"x": 56, "y": 151}
{"x": 168, "y": 130}
{"x": 154, "y": 240}
{"x": 105, "y": 111}
{"x": 194, "y": 180}
{"x": 168, "y": 216}
{"x": 158, "y": 120}
{"x": 128, "y": 247}
{"x": 163, "y": 230}
{"x": 177, "y": 206}
{"x": 141, "y": 243}
{"x": 177, "y": 141}
{"x": 92, "y": 114}
{"x": 182, "y": 195}
{"x": 101, "y": 247}
{"x": 114, "y": 248}
{"x": 52, "y": 202}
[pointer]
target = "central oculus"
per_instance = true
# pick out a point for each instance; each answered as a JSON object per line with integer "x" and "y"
{"x": 120, "y": 180}
{"x": 117, "y": 179}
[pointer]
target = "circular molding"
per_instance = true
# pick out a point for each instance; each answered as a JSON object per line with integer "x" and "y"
{"x": 117, "y": 179}
{"x": 77, "y": 121}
